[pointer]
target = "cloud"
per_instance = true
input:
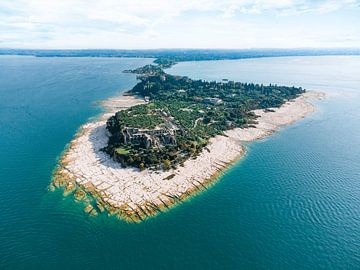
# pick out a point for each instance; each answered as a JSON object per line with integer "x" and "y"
{"x": 120, "y": 23}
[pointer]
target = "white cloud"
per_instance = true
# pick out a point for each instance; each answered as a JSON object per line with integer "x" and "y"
{"x": 150, "y": 23}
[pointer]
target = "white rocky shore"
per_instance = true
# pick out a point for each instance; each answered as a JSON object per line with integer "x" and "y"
{"x": 132, "y": 194}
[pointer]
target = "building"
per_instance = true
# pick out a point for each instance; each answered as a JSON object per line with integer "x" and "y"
{"x": 149, "y": 138}
{"x": 213, "y": 101}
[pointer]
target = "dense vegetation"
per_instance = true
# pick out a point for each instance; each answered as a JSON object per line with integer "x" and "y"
{"x": 196, "y": 109}
{"x": 141, "y": 116}
{"x": 148, "y": 69}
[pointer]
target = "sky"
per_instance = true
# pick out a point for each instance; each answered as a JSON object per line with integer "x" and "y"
{"x": 149, "y": 24}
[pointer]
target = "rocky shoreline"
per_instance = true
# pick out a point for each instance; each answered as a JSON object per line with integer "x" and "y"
{"x": 134, "y": 195}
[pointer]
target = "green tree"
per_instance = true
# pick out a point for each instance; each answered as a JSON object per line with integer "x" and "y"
{"x": 167, "y": 164}
{"x": 141, "y": 166}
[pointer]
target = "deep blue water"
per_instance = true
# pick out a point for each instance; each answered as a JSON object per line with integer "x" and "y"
{"x": 292, "y": 203}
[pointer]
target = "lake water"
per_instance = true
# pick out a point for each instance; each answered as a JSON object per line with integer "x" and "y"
{"x": 292, "y": 203}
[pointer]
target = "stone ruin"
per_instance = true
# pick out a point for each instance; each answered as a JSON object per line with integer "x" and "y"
{"x": 149, "y": 138}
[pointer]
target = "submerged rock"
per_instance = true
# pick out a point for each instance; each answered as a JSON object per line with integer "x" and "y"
{"x": 70, "y": 186}
{"x": 100, "y": 206}
{"x": 93, "y": 212}
{"x": 52, "y": 187}
{"x": 59, "y": 181}
{"x": 88, "y": 208}
{"x": 79, "y": 195}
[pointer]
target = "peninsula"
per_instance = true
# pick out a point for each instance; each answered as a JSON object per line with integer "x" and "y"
{"x": 168, "y": 138}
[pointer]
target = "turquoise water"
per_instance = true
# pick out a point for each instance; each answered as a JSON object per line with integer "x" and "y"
{"x": 292, "y": 203}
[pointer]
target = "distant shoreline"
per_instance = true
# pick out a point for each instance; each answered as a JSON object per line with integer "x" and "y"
{"x": 184, "y": 55}
{"x": 134, "y": 195}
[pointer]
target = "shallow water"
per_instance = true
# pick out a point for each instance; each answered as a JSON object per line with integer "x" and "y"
{"x": 292, "y": 203}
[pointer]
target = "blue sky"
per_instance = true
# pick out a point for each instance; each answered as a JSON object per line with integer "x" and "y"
{"x": 140, "y": 24}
